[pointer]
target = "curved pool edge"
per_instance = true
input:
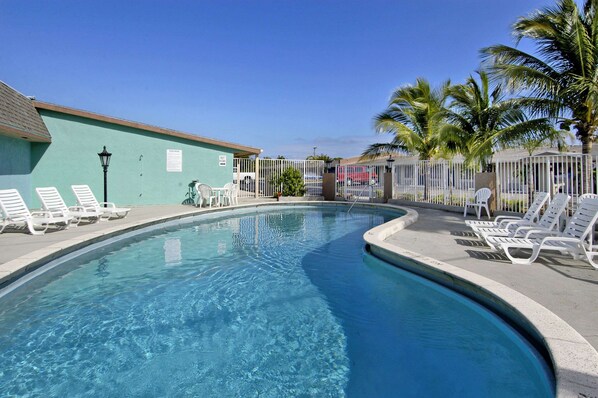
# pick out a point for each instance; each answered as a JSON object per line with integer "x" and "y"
{"x": 574, "y": 359}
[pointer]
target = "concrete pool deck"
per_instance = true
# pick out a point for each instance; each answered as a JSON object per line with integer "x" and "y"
{"x": 566, "y": 287}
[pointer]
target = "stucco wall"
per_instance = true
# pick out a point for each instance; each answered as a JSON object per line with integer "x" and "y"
{"x": 137, "y": 172}
{"x": 15, "y": 166}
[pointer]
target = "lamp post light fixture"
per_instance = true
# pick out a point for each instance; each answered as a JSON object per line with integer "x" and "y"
{"x": 105, "y": 162}
{"x": 389, "y": 163}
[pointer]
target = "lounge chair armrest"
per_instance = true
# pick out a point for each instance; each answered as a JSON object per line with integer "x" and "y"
{"x": 41, "y": 213}
{"x": 514, "y": 223}
{"x": 501, "y": 219}
{"x": 539, "y": 233}
{"x": 559, "y": 239}
{"x": 59, "y": 212}
{"x": 108, "y": 204}
{"x": 90, "y": 209}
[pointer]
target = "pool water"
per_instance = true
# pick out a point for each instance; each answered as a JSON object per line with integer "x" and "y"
{"x": 283, "y": 303}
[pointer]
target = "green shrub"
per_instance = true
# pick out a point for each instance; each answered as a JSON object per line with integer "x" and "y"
{"x": 291, "y": 181}
{"x": 407, "y": 196}
{"x": 516, "y": 205}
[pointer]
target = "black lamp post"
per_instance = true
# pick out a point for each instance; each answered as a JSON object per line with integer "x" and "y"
{"x": 389, "y": 163}
{"x": 105, "y": 162}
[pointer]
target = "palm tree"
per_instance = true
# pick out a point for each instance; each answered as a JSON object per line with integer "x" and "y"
{"x": 480, "y": 120}
{"x": 562, "y": 81}
{"x": 414, "y": 117}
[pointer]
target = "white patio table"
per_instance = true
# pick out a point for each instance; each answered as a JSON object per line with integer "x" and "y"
{"x": 222, "y": 192}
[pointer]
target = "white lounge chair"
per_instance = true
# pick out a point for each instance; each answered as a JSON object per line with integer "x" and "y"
{"x": 87, "y": 200}
{"x": 580, "y": 199}
{"x": 16, "y": 214}
{"x": 205, "y": 195}
{"x": 549, "y": 222}
{"x": 585, "y": 196}
{"x": 479, "y": 202}
{"x": 573, "y": 240}
{"x": 531, "y": 215}
{"x": 53, "y": 202}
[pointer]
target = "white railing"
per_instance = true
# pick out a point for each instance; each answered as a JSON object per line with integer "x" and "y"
{"x": 440, "y": 182}
{"x": 517, "y": 180}
{"x": 360, "y": 182}
{"x": 450, "y": 182}
{"x": 257, "y": 176}
{"x": 446, "y": 182}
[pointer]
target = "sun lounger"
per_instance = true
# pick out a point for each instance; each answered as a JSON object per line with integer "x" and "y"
{"x": 531, "y": 215}
{"x": 549, "y": 222}
{"x": 16, "y": 214}
{"x": 87, "y": 200}
{"x": 573, "y": 240}
{"x": 53, "y": 202}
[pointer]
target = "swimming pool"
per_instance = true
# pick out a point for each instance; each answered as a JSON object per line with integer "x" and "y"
{"x": 276, "y": 303}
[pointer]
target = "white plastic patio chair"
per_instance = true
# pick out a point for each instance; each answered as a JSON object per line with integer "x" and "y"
{"x": 16, "y": 214}
{"x": 53, "y": 202}
{"x": 531, "y": 215}
{"x": 205, "y": 195}
{"x": 573, "y": 240}
{"x": 479, "y": 202}
{"x": 87, "y": 200}
{"x": 549, "y": 222}
{"x": 234, "y": 194}
{"x": 227, "y": 194}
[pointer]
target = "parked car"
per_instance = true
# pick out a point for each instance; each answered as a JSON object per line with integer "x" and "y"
{"x": 242, "y": 176}
{"x": 356, "y": 175}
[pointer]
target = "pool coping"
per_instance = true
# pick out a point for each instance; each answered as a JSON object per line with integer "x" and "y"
{"x": 574, "y": 360}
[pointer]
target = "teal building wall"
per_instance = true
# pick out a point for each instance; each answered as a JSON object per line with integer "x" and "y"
{"x": 15, "y": 165}
{"x": 137, "y": 173}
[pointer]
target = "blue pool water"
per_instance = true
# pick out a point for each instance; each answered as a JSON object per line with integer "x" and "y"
{"x": 283, "y": 303}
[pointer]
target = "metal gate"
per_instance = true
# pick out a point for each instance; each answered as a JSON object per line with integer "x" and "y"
{"x": 360, "y": 182}
{"x": 256, "y": 177}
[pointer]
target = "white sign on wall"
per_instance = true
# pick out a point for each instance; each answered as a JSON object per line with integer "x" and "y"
{"x": 174, "y": 160}
{"x": 222, "y": 160}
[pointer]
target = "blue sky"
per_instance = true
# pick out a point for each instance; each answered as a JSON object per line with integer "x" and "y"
{"x": 280, "y": 75}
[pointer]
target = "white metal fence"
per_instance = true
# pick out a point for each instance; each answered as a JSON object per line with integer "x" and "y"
{"x": 259, "y": 175}
{"x": 360, "y": 182}
{"x": 440, "y": 182}
{"x": 451, "y": 182}
{"x": 517, "y": 180}
{"x": 446, "y": 182}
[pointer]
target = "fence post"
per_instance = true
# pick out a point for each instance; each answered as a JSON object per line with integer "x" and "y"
{"x": 388, "y": 184}
{"x": 257, "y": 177}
